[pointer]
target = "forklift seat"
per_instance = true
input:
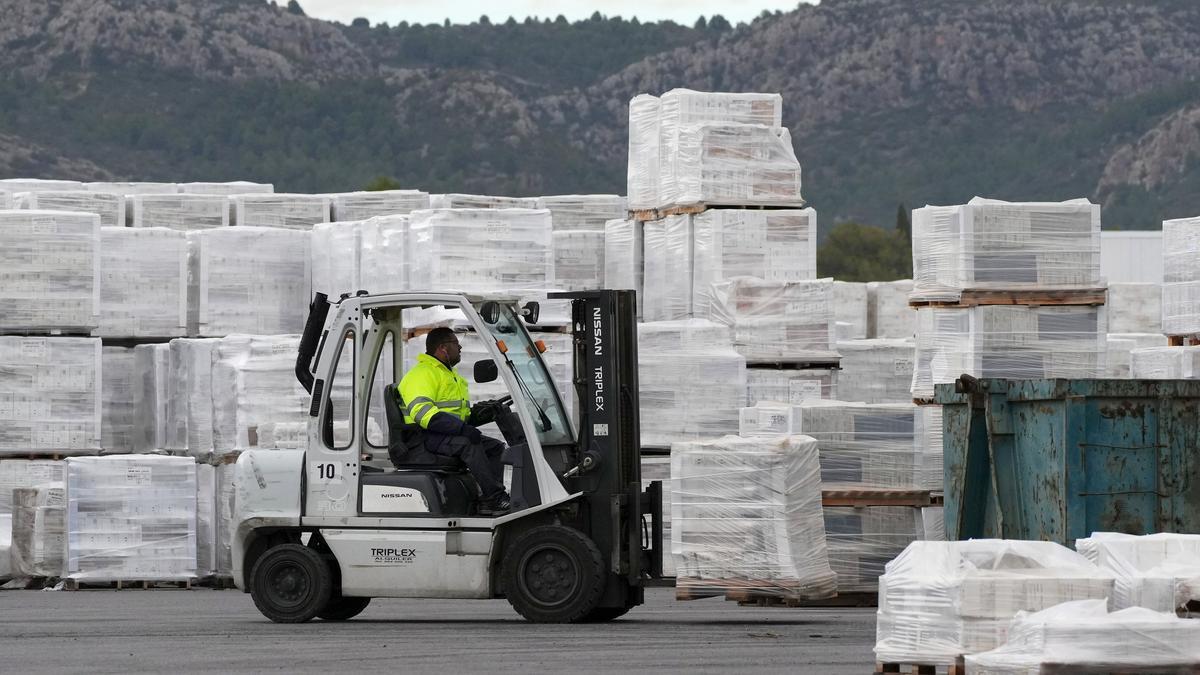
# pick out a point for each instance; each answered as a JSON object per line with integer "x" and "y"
{"x": 405, "y": 445}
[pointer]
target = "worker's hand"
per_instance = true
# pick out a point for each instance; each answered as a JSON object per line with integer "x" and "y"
{"x": 483, "y": 412}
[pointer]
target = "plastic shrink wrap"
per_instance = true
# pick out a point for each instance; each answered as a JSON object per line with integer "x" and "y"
{"x": 1080, "y": 637}
{"x": 364, "y": 205}
{"x": 1165, "y": 363}
{"x": 39, "y": 530}
{"x": 49, "y": 271}
{"x": 933, "y": 522}
{"x": 481, "y": 250}
{"x": 225, "y": 492}
{"x": 1134, "y": 308}
{"x": 280, "y": 210}
{"x": 579, "y": 259}
{"x": 237, "y": 187}
{"x": 658, "y": 468}
{"x": 777, "y": 245}
{"x": 876, "y": 371}
{"x": 152, "y": 363}
{"x": 1155, "y": 571}
{"x": 737, "y": 164}
{"x": 667, "y": 267}
{"x": 988, "y": 243}
{"x": 777, "y": 321}
{"x": 6, "y": 546}
{"x": 336, "y": 258}
{"x": 384, "y": 258}
{"x": 24, "y": 473}
{"x": 179, "y": 211}
{"x": 642, "y": 168}
{"x": 131, "y": 517}
{"x": 582, "y": 212}
{"x": 129, "y": 188}
{"x": 6, "y": 200}
{"x": 108, "y": 205}
{"x": 254, "y": 383}
{"x": 850, "y": 309}
{"x": 790, "y": 385}
{"x": 1181, "y": 276}
{"x": 206, "y": 520}
{"x": 746, "y": 516}
{"x": 939, "y": 600}
{"x": 15, "y": 185}
{"x": 692, "y": 381}
{"x": 143, "y": 282}
{"x": 1008, "y": 341}
{"x": 888, "y": 313}
{"x": 190, "y": 396}
{"x": 461, "y": 201}
{"x": 121, "y": 386}
{"x": 50, "y": 395}
{"x": 247, "y": 280}
{"x": 863, "y": 540}
{"x": 623, "y": 257}
{"x": 1119, "y": 349}
{"x": 928, "y": 431}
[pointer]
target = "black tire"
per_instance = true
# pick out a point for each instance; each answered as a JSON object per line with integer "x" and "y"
{"x": 553, "y": 574}
{"x": 603, "y": 614}
{"x": 341, "y": 608}
{"x": 291, "y": 583}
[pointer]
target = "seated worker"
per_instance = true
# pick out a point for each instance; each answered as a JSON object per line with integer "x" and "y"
{"x": 435, "y": 398}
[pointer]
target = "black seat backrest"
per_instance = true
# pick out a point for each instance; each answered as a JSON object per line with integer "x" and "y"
{"x": 393, "y": 407}
{"x": 406, "y": 441}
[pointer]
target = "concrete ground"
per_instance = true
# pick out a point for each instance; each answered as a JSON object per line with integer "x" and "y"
{"x": 203, "y": 630}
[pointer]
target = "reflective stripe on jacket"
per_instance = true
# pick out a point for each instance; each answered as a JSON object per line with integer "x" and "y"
{"x": 429, "y": 388}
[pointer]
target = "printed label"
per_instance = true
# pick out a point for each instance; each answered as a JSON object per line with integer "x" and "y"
{"x": 138, "y": 475}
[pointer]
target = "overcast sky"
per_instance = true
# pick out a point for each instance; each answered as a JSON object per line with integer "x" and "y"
{"x": 466, "y": 11}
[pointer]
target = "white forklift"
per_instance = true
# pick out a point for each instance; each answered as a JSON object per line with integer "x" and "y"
{"x": 320, "y": 533}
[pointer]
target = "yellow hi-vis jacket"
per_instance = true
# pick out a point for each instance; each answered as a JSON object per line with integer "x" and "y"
{"x": 429, "y": 388}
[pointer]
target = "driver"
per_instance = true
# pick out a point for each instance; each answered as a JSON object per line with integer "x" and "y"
{"x": 436, "y": 399}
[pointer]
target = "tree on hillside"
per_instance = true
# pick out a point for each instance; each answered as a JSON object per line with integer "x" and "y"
{"x": 856, "y": 252}
{"x": 293, "y": 7}
{"x": 380, "y": 183}
{"x": 903, "y": 224}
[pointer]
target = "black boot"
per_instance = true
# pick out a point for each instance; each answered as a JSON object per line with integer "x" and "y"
{"x": 496, "y": 506}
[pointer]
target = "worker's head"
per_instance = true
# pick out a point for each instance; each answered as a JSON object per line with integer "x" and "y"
{"x": 442, "y": 344}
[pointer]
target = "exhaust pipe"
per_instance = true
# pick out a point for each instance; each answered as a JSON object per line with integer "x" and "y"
{"x": 318, "y": 310}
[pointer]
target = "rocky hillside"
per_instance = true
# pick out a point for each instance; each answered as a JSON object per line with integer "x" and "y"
{"x": 889, "y": 101}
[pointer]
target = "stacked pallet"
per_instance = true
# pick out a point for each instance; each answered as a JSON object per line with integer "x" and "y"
{"x": 288, "y": 211}
{"x": 1160, "y": 572}
{"x": 355, "y": 206}
{"x": 1181, "y": 279}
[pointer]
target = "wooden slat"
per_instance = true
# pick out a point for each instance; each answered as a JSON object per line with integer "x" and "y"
{"x": 1032, "y": 297}
{"x": 879, "y": 497}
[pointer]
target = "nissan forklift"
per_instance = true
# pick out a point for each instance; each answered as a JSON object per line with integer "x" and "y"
{"x": 318, "y": 533}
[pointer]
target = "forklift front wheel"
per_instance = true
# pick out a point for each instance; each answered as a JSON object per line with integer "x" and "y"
{"x": 553, "y": 574}
{"x": 342, "y": 608}
{"x": 292, "y": 583}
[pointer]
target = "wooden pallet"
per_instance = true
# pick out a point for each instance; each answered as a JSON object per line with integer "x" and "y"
{"x": 692, "y": 209}
{"x": 1071, "y": 669}
{"x": 735, "y": 590}
{"x": 864, "y": 497}
{"x": 1183, "y": 340}
{"x": 77, "y": 585}
{"x": 924, "y": 401}
{"x": 1033, "y": 298}
{"x": 854, "y": 599}
{"x": 809, "y": 364}
{"x": 133, "y": 342}
{"x": 957, "y": 668}
{"x": 216, "y": 582}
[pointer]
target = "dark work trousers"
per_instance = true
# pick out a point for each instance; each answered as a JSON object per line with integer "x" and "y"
{"x": 483, "y": 459}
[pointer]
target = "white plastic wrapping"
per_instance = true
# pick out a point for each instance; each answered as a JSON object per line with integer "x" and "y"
{"x": 121, "y": 387}
{"x": 254, "y": 383}
{"x": 862, "y": 540}
{"x": 143, "y": 282}
{"x": 1080, "y": 637}
{"x": 463, "y": 201}
{"x": 6, "y": 200}
{"x": 1181, "y": 276}
{"x": 5, "y": 546}
{"x": 928, "y": 435}
{"x": 288, "y": 211}
{"x": 1134, "y": 308}
{"x": 110, "y": 206}
{"x": 15, "y": 185}
{"x": 50, "y": 395}
{"x": 582, "y": 212}
{"x": 336, "y": 258}
{"x": 179, "y": 211}
{"x": 850, "y": 309}
{"x": 364, "y": 205}
{"x": 939, "y": 600}
{"x": 190, "y": 402}
{"x": 1119, "y": 351}
{"x": 248, "y": 280}
{"x": 746, "y": 516}
{"x": 876, "y": 371}
{"x": 658, "y": 468}
{"x": 988, "y": 243}
{"x": 132, "y": 187}
{"x": 667, "y": 258}
{"x": 383, "y": 256}
{"x": 24, "y": 473}
{"x": 1013, "y": 341}
{"x": 206, "y": 520}
{"x": 1165, "y": 363}
{"x": 933, "y": 522}
{"x": 790, "y": 385}
{"x": 777, "y": 245}
{"x": 623, "y": 263}
{"x": 692, "y": 382}
{"x": 642, "y": 168}
{"x": 237, "y": 187}
{"x": 131, "y": 517}
{"x": 1156, "y": 571}
{"x": 481, "y": 250}
{"x": 579, "y": 259}
{"x": 152, "y": 363}
{"x": 49, "y": 271}
{"x": 225, "y": 493}
{"x": 39, "y": 530}
{"x": 777, "y": 321}
{"x": 888, "y": 313}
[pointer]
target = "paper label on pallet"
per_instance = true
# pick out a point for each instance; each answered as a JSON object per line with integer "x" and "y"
{"x": 803, "y": 390}
{"x": 138, "y": 475}
{"x": 34, "y": 350}
{"x": 902, "y": 366}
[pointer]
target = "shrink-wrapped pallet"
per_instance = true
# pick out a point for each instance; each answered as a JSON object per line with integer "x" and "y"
{"x": 940, "y": 600}
{"x": 224, "y": 497}
{"x": 933, "y": 523}
{"x": 153, "y": 366}
{"x": 248, "y": 280}
{"x": 658, "y": 468}
{"x": 49, "y": 271}
{"x": 336, "y": 258}
{"x": 383, "y": 261}
{"x": 778, "y": 245}
{"x": 875, "y": 371}
{"x": 579, "y": 260}
{"x": 1134, "y": 308}
{"x": 692, "y": 381}
{"x": 39, "y": 530}
{"x": 15, "y": 185}
{"x": 363, "y": 205}
{"x": 190, "y": 402}
{"x": 121, "y": 387}
{"x": 850, "y": 309}
{"x": 888, "y": 313}
{"x": 1119, "y": 348}
{"x": 237, "y": 187}
{"x": 179, "y": 211}
{"x": 732, "y": 164}
{"x": 1081, "y": 637}
{"x": 254, "y": 383}
{"x": 129, "y": 188}
{"x": 280, "y": 210}
{"x": 790, "y": 385}
{"x": 206, "y": 520}
{"x": 1181, "y": 276}
{"x": 143, "y": 282}
{"x": 463, "y": 201}
{"x": 1165, "y": 363}
{"x": 776, "y": 321}
{"x": 50, "y": 395}
{"x": 623, "y": 262}
{"x": 1156, "y": 571}
{"x": 24, "y": 473}
{"x": 582, "y": 212}
{"x": 862, "y": 540}
{"x": 988, "y": 243}
{"x": 928, "y": 437}
{"x": 109, "y": 206}
{"x": 642, "y": 168}
{"x": 746, "y": 516}
{"x": 1008, "y": 341}
{"x": 6, "y": 546}
{"x": 667, "y": 264}
{"x": 6, "y": 200}
{"x": 481, "y": 250}
{"x": 131, "y": 518}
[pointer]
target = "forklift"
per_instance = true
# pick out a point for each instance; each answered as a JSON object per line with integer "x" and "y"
{"x": 318, "y": 533}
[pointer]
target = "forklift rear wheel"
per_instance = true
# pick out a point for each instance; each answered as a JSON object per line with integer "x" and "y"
{"x": 342, "y": 608}
{"x": 553, "y": 574}
{"x": 292, "y": 583}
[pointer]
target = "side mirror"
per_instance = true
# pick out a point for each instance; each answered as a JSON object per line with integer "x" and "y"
{"x": 490, "y": 311}
{"x": 530, "y": 312}
{"x": 486, "y": 371}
